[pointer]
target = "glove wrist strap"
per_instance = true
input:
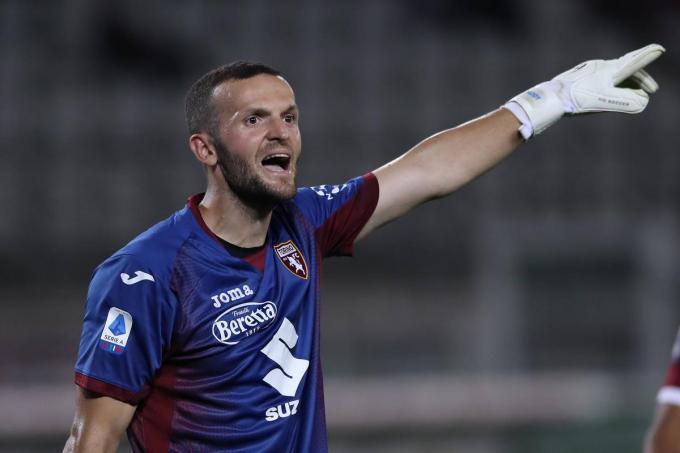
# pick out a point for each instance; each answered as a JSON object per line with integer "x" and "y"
{"x": 526, "y": 130}
{"x": 542, "y": 106}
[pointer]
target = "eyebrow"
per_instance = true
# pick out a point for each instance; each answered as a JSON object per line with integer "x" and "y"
{"x": 292, "y": 108}
{"x": 264, "y": 112}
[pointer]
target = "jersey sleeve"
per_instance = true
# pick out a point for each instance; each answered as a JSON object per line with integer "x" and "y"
{"x": 670, "y": 391}
{"x": 339, "y": 212}
{"x": 128, "y": 324}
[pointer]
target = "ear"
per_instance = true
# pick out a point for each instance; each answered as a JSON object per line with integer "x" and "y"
{"x": 203, "y": 149}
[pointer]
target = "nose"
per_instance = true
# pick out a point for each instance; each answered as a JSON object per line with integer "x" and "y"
{"x": 278, "y": 130}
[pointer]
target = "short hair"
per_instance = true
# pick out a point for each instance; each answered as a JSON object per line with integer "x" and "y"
{"x": 199, "y": 106}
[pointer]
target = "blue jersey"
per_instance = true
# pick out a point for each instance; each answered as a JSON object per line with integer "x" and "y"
{"x": 220, "y": 353}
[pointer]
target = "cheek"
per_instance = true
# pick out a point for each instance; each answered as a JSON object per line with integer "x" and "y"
{"x": 242, "y": 141}
{"x": 296, "y": 137}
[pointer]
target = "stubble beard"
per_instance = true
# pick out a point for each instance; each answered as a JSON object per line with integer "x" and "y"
{"x": 246, "y": 184}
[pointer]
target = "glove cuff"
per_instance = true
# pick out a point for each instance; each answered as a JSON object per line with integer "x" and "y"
{"x": 526, "y": 130}
{"x": 542, "y": 106}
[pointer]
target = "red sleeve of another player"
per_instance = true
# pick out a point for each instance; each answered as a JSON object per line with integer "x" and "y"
{"x": 338, "y": 232}
{"x": 673, "y": 375}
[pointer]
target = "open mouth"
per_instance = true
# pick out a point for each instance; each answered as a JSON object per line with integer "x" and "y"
{"x": 277, "y": 162}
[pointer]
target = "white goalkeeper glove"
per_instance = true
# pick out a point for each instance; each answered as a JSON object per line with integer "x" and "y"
{"x": 620, "y": 85}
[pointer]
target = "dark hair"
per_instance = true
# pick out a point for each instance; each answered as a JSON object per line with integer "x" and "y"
{"x": 199, "y": 107}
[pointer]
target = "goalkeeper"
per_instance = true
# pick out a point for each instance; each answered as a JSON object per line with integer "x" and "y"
{"x": 202, "y": 334}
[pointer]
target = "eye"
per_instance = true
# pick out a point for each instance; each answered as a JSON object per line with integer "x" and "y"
{"x": 252, "y": 120}
{"x": 290, "y": 118}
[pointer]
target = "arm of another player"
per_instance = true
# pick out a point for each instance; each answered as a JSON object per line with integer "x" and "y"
{"x": 99, "y": 423}
{"x": 664, "y": 434}
{"x": 446, "y": 161}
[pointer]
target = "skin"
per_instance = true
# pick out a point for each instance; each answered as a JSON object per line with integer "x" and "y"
{"x": 664, "y": 434}
{"x": 99, "y": 423}
{"x": 258, "y": 117}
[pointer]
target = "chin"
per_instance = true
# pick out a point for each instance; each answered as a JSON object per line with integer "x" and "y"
{"x": 287, "y": 193}
{"x": 258, "y": 192}
{"x": 269, "y": 196}
{"x": 284, "y": 190}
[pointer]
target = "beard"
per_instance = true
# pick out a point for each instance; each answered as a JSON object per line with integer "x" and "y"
{"x": 246, "y": 184}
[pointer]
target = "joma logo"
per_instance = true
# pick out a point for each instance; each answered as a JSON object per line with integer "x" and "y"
{"x": 231, "y": 295}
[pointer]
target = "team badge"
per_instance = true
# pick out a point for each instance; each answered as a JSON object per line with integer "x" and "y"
{"x": 292, "y": 258}
{"x": 116, "y": 331}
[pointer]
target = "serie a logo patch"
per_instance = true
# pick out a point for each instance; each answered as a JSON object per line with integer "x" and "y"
{"x": 292, "y": 258}
{"x": 116, "y": 331}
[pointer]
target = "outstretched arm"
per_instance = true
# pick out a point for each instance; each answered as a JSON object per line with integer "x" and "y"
{"x": 99, "y": 423}
{"x": 441, "y": 164}
{"x": 446, "y": 161}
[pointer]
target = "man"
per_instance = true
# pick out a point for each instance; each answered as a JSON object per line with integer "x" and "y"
{"x": 664, "y": 434}
{"x": 202, "y": 333}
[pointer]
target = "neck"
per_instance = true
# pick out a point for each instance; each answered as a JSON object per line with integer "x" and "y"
{"x": 233, "y": 220}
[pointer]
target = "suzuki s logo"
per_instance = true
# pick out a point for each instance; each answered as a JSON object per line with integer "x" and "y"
{"x": 243, "y": 320}
{"x": 292, "y": 258}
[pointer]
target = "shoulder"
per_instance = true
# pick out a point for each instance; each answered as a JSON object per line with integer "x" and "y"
{"x": 318, "y": 202}
{"x": 153, "y": 251}
{"x": 325, "y": 192}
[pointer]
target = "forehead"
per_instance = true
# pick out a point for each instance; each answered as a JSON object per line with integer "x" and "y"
{"x": 262, "y": 91}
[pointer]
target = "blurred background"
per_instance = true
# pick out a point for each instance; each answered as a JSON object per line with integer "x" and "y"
{"x": 532, "y": 311}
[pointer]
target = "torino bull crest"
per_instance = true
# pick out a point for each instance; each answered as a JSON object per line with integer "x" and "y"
{"x": 291, "y": 257}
